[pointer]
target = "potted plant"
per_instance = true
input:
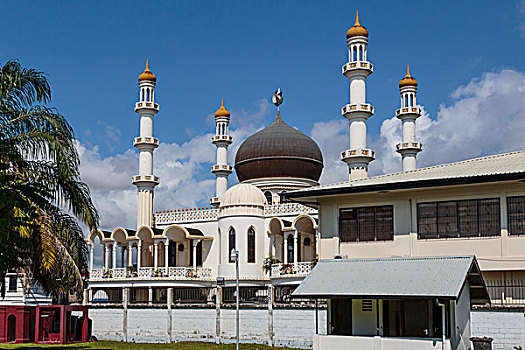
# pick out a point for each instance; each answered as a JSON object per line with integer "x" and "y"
{"x": 131, "y": 271}
{"x": 158, "y": 273}
{"x": 107, "y": 274}
{"x": 287, "y": 269}
{"x": 268, "y": 262}
{"x": 190, "y": 274}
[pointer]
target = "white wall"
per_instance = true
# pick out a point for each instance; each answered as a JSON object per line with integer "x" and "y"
{"x": 507, "y": 328}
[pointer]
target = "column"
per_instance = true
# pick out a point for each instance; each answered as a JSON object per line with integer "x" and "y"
{"x": 155, "y": 255}
{"x": 130, "y": 254}
{"x": 218, "y": 301}
{"x": 91, "y": 256}
{"x": 150, "y": 295}
{"x": 271, "y": 301}
{"x": 139, "y": 254}
{"x": 169, "y": 301}
{"x": 122, "y": 256}
{"x": 114, "y": 256}
{"x": 194, "y": 254}
{"x": 297, "y": 247}
{"x": 106, "y": 257}
{"x": 166, "y": 255}
{"x": 285, "y": 249}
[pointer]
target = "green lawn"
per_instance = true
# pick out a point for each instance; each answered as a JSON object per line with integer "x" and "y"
{"x": 136, "y": 346}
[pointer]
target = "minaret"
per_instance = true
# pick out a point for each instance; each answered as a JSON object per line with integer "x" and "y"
{"x": 408, "y": 113}
{"x": 146, "y": 143}
{"x": 221, "y": 140}
{"x": 357, "y": 111}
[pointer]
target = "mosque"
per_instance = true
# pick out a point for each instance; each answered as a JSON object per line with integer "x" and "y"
{"x": 187, "y": 252}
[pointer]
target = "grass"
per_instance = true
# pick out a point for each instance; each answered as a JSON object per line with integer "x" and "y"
{"x": 136, "y": 346}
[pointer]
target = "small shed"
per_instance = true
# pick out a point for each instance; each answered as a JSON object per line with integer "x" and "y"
{"x": 396, "y": 303}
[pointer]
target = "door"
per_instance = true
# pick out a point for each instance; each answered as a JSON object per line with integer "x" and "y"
{"x": 341, "y": 317}
{"x": 416, "y": 318}
{"x": 11, "y": 328}
{"x": 172, "y": 254}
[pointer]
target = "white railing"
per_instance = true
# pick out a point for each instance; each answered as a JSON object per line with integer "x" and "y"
{"x": 119, "y": 272}
{"x": 186, "y": 215}
{"x": 96, "y": 274}
{"x": 300, "y": 269}
{"x": 149, "y": 273}
{"x": 288, "y": 208}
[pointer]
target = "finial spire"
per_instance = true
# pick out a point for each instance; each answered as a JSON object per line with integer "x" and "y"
{"x": 147, "y": 64}
{"x": 357, "y": 18}
{"x": 222, "y": 103}
{"x": 408, "y": 70}
{"x": 277, "y": 98}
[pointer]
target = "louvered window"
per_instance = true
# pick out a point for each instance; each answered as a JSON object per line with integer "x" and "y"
{"x": 366, "y": 224}
{"x": 516, "y": 215}
{"x": 454, "y": 219}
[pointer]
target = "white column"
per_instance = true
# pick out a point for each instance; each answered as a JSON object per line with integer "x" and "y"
{"x": 91, "y": 256}
{"x": 166, "y": 255}
{"x": 130, "y": 254}
{"x": 122, "y": 256}
{"x": 297, "y": 247}
{"x": 150, "y": 295}
{"x": 106, "y": 257}
{"x": 155, "y": 255}
{"x": 194, "y": 254}
{"x": 114, "y": 256}
{"x": 285, "y": 248}
{"x": 139, "y": 254}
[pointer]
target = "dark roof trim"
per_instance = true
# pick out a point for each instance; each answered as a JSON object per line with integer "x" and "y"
{"x": 404, "y": 185}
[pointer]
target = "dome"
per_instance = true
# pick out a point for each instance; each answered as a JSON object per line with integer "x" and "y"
{"x": 357, "y": 29}
{"x": 278, "y": 151}
{"x": 222, "y": 112}
{"x": 147, "y": 74}
{"x": 408, "y": 80}
{"x": 243, "y": 194}
{"x": 242, "y": 199}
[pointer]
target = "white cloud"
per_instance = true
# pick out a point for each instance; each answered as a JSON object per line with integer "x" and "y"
{"x": 486, "y": 116}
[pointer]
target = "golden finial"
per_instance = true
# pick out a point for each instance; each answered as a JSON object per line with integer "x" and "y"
{"x": 357, "y": 29}
{"x": 222, "y": 112}
{"x": 408, "y": 80}
{"x": 147, "y": 74}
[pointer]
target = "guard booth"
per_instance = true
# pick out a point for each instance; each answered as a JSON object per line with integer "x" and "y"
{"x": 396, "y": 303}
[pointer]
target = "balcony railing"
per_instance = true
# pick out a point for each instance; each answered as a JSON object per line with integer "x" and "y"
{"x": 506, "y": 293}
{"x": 149, "y": 273}
{"x": 300, "y": 269}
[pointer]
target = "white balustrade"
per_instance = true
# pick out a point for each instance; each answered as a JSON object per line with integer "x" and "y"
{"x": 145, "y": 272}
{"x": 96, "y": 274}
{"x": 300, "y": 269}
{"x": 119, "y": 272}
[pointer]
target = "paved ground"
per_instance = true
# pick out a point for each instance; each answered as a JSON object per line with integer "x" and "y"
{"x": 135, "y": 346}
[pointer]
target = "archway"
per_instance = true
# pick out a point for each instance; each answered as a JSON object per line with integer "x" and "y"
{"x": 11, "y": 328}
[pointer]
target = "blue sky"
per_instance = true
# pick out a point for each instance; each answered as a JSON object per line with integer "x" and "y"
{"x": 203, "y": 50}
{"x": 242, "y": 51}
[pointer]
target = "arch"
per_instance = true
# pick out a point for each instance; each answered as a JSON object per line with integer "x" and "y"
{"x": 304, "y": 223}
{"x": 251, "y": 245}
{"x": 94, "y": 234}
{"x": 275, "y": 226}
{"x": 175, "y": 232}
{"x": 231, "y": 242}
{"x": 119, "y": 235}
{"x": 100, "y": 295}
{"x": 145, "y": 234}
{"x": 11, "y": 328}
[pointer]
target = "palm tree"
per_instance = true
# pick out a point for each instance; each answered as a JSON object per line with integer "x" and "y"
{"x": 42, "y": 198}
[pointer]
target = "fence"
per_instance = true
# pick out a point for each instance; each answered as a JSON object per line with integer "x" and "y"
{"x": 506, "y": 292}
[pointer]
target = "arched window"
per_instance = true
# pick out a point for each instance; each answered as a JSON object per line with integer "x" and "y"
{"x": 268, "y": 196}
{"x": 406, "y": 101}
{"x": 251, "y": 245}
{"x": 231, "y": 244}
{"x": 147, "y": 94}
{"x": 290, "y": 248}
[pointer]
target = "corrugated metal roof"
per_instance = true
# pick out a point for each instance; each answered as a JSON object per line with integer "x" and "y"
{"x": 440, "y": 276}
{"x": 501, "y": 164}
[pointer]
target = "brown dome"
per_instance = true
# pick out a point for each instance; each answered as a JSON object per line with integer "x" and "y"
{"x": 278, "y": 151}
{"x": 357, "y": 29}
{"x": 408, "y": 80}
{"x": 147, "y": 74}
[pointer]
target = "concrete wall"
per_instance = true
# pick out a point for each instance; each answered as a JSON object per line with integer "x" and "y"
{"x": 376, "y": 343}
{"x": 507, "y": 328}
{"x": 291, "y": 327}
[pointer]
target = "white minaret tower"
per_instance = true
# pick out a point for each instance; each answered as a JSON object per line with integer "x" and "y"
{"x": 357, "y": 111}
{"x": 146, "y": 143}
{"x": 408, "y": 113}
{"x": 221, "y": 140}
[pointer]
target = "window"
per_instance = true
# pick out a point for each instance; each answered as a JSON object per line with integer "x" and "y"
{"x": 516, "y": 215}
{"x": 251, "y": 245}
{"x": 12, "y": 284}
{"x": 231, "y": 243}
{"x": 366, "y": 224}
{"x": 290, "y": 248}
{"x": 268, "y": 196}
{"x": 453, "y": 219}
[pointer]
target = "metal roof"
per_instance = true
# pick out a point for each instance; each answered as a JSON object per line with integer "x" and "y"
{"x": 491, "y": 168}
{"x": 408, "y": 277}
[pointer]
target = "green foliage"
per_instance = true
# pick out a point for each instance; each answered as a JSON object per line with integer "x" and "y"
{"x": 40, "y": 186}
{"x": 268, "y": 262}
